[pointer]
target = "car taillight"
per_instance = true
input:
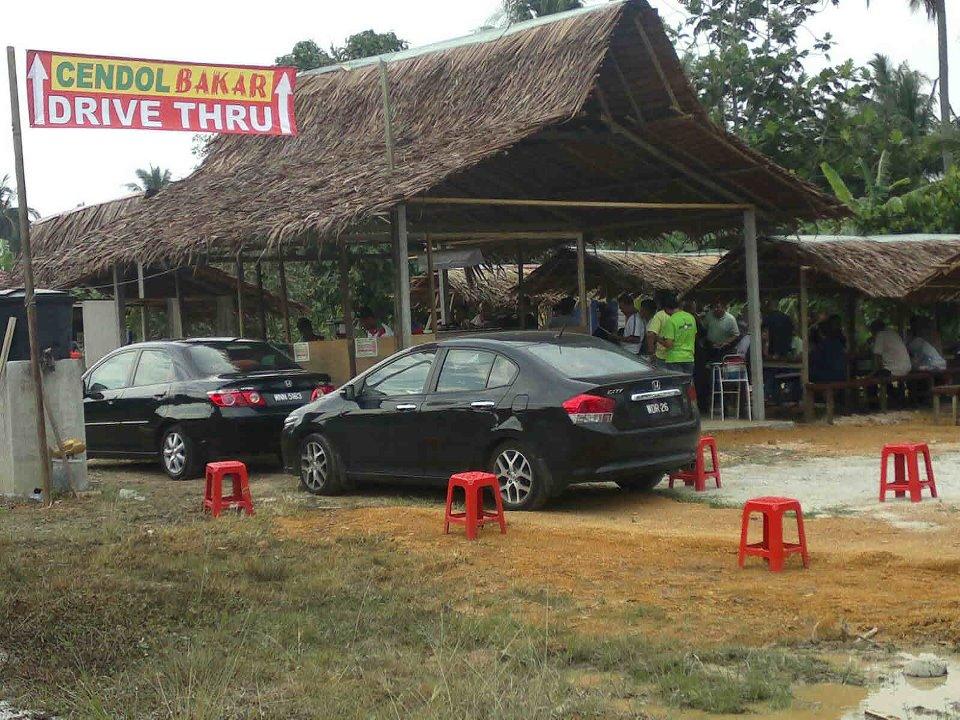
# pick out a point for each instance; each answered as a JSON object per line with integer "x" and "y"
{"x": 236, "y": 398}
{"x": 692, "y": 393}
{"x": 590, "y": 409}
{"x": 320, "y": 390}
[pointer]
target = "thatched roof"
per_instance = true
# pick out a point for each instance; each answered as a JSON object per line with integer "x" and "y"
{"x": 7, "y": 280}
{"x": 611, "y": 272}
{"x": 942, "y": 284}
{"x": 494, "y": 286}
{"x": 874, "y": 266}
{"x": 571, "y": 107}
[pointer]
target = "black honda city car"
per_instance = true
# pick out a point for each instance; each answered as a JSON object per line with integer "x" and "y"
{"x": 539, "y": 411}
{"x": 189, "y": 401}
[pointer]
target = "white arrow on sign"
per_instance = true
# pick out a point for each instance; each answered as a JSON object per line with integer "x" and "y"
{"x": 283, "y": 93}
{"x": 36, "y": 76}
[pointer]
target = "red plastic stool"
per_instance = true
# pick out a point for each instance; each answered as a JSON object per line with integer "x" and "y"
{"x": 772, "y": 548}
{"x": 699, "y": 474}
{"x": 906, "y": 471}
{"x": 473, "y": 484}
{"x": 213, "y": 499}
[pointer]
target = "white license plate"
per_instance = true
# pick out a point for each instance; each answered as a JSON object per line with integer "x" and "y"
{"x": 658, "y": 408}
{"x": 287, "y": 397}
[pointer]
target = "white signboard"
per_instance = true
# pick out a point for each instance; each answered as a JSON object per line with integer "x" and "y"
{"x": 366, "y": 347}
{"x": 301, "y": 352}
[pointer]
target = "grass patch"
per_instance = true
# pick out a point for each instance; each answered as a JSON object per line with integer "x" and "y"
{"x": 124, "y": 609}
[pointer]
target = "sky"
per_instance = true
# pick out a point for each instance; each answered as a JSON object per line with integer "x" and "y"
{"x": 67, "y": 168}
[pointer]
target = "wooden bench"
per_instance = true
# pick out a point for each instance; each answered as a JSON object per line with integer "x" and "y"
{"x": 872, "y": 381}
{"x": 951, "y": 391}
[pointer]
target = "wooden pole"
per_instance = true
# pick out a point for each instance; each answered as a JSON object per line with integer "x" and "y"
{"x": 403, "y": 329}
{"x": 29, "y": 298}
{"x": 582, "y": 283}
{"x": 142, "y": 294}
{"x": 521, "y": 309}
{"x": 753, "y": 312}
{"x": 432, "y": 287}
{"x": 346, "y": 301}
{"x": 284, "y": 299}
{"x": 240, "y": 328}
{"x": 261, "y": 306}
{"x": 178, "y": 304}
{"x": 805, "y": 340}
{"x": 590, "y": 204}
{"x": 119, "y": 306}
{"x": 655, "y": 61}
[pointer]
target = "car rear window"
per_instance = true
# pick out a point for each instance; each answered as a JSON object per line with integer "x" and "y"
{"x": 239, "y": 357}
{"x": 583, "y": 361}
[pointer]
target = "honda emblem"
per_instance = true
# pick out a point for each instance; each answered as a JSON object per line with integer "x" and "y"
{"x": 655, "y": 384}
{"x": 288, "y": 383}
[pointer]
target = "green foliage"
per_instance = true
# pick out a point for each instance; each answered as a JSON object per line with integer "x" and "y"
{"x": 307, "y": 55}
{"x": 519, "y": 10}
{"x": 6, "y": 256}
{"x": 10, "y": 223}
{"x": 151, "y": 181}
{"x": 933, "y": 208}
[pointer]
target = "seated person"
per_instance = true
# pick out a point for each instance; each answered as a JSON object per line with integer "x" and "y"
{"x": 372, "y": 325}
{"x": 891, "y": 357}
{"x": 923, "y": 355}
{"x": 828, "y": 357}
{"x": 305, "y": 328}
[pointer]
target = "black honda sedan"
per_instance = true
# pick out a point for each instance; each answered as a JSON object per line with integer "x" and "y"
{"x": 539, "y": 411}
{"x": 189, "y": 401}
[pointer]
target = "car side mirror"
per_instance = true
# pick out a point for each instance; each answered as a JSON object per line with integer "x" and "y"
{"x": 348, "y": 392}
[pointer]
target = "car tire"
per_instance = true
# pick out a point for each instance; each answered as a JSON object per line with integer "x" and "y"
{"x": 179, "y": 456}
{"x": 523, "y": 476}
{"x": 320, "y": 468}
{"x": 644, "y": 483}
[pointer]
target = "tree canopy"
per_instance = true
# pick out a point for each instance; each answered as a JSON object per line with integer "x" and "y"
{"x": 307, "y": 55}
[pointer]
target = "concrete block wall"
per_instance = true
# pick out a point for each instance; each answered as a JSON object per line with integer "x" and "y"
{"x": 19, "y": 451}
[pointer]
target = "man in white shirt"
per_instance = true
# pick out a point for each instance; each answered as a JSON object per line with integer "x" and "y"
{"x": 374, "y": 328}
{"x": 634, "y": 329}
{"x": 722, "y": 329}
{"x": 889, "y": 351}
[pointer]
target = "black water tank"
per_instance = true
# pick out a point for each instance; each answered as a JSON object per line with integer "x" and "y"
{"x": 54, "y": 322}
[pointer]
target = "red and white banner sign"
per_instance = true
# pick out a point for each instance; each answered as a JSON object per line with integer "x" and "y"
{"x": 67, "y": 90}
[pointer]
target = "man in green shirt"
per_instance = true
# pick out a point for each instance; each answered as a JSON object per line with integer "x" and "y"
{"x": 652, "y": 338}
{"x": 678, "y": 336}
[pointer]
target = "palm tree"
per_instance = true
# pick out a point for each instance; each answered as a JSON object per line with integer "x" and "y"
{"x": 150, "y": 181}
{"x": 937, "y": 10}
{"x": 9, "y": 217}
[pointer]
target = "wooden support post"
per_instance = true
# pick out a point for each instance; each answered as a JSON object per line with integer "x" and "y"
{"x": 805, "y": 341}
{"x": 240, "y": 328}
{"x": 443, "y": 282}
{"x": 753, "y": 312}
{"x": 432, "y": 286}
{"x": 261, "y": 306}
{"x": 402, "y": 321}
{"x": 850, "y": 395}
{"x": 346, "y": 302}
{"x": 582, "y": 283}
{"x": 521, "y": 305}
{"x": 655, "y": 61}
{"x": 142, "y": 294}
{"x": 284, "y": 298}
{"x": 175, "y": 309}
{"x": 119, "y": 306}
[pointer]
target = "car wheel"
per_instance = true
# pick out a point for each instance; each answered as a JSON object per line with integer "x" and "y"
{"x": 522, "y": 475}
{"x": 641, "y": 484}
{"x": 179, "y": 457}
{"x": 321, "y": 471}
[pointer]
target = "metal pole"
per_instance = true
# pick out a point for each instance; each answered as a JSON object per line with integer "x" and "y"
{"x": 431, "y": 286}
{"x": 405, "y": 328}
{"x": 27, "y": 261}
{"x": 347, "y": 302}
{"x": 753, "y": 311}
{"x": 261, "y": 309}
{"x": 805, "y": 340}
{"x": 284, "y": 298}
{"x": 521, "y": 306}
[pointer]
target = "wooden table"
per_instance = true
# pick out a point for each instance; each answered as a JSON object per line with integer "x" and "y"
{"x": 951, "y": 391}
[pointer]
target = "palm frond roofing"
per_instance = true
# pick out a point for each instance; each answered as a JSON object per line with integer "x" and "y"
{"x": 584, "y": 105}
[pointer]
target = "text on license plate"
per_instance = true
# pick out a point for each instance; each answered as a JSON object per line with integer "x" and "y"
{"x": 286, "y": 397}
{"x": 657, "y": 408}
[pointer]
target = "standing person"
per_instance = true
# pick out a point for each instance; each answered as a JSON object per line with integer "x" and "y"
{"x": 634, "y": 329}
{"x": 654, "y": 328}
{"x": 722, "y": 330}
{"x": 370, "y": 323}
{"x": 678, "y": 336}
{"x": 305, "y": 328}
{"x": 891, "y": 357}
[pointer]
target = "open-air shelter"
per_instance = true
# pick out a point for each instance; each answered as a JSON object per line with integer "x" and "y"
{"x": 563, "y": 129}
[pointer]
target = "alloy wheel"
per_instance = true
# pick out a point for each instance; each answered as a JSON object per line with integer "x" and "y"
{"x": 515, "y": 475}
{"x": 174, "y": 453}
{"x": 313, "y": 465}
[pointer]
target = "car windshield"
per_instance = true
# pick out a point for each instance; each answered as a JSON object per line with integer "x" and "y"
{"x": 586, "y": 361}
{"x": 239, "y": 357}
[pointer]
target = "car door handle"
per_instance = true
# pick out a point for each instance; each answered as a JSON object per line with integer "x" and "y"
{"x": 159, "y": 396}
{"x": 406, "y": 406}
{"x": 480, "y": 404}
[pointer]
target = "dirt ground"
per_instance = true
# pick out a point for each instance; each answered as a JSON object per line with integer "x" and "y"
{"x": 675, "y": 563}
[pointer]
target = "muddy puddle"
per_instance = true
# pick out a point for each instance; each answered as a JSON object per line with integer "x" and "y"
{"x": 888, "y": 695}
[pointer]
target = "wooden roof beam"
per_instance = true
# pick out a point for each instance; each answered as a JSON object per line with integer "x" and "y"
{"x": 581, "y": 204}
